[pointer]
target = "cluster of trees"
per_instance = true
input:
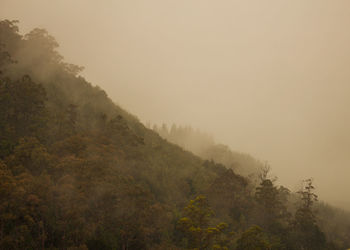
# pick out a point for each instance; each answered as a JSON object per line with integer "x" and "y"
{"x": 185, "y": 136}
{"x": 78, "y": 172}
{"x": 269, "y": 224}
{"x": 204, "y": 146}
{"x": 333, "y": 221}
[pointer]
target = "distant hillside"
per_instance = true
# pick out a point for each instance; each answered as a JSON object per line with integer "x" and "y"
{"x": 79, "y": 172}
{"x": 204, "y": 146}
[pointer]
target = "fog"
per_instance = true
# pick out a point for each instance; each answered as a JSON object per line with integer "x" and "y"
{"x": 269, "y": 78}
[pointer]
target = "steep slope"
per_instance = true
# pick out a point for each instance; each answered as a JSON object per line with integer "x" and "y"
{"x": 79, "y": 172}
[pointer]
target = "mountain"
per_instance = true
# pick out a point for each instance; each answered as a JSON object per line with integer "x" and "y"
{"x": 79, "y": 172}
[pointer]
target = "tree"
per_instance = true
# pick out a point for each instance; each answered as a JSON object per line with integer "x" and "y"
{"x": 43, "y": 45}
{"x": 253, "y": 239}
{"x": 5, "y": 58}
{"x": 195, "y": 226}
{"x": 271, "y": 201}
{"x": 305, "y": 232}
{"x": 29, "y": 156}
{"x": 22, "y": 113}
{"x": 229, "y": 195}
{"x": 9, "y": 37}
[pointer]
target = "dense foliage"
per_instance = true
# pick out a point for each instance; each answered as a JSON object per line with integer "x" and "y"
{"x": 78, "y": 172}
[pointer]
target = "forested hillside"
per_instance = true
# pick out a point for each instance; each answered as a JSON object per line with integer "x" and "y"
{"x": 333, "y": 221}
{"x": 204, "y": 146}
{"x": 79, "y": 172}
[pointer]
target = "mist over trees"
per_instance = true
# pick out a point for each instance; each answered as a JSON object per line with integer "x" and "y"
{"x": 204, "y": 146}
{"x": 79, "y": 172}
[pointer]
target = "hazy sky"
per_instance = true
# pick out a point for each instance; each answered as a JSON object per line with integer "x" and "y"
{"x": 270, "y": 78}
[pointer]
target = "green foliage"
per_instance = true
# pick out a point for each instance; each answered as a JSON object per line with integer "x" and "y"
{"x": 196, "y": 229}
{"x": 253, "y": 239}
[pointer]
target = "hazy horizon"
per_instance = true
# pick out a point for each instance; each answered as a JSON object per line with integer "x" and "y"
{"x": 268, "y": 78}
